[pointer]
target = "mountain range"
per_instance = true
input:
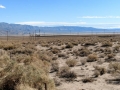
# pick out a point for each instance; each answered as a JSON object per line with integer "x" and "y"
{"x": 17, "y": 29}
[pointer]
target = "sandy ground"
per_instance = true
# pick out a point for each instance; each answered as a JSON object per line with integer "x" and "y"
{"x": 83, "y": 71}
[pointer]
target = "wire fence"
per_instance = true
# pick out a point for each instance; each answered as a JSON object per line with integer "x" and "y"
{"x": 42, "y": 33}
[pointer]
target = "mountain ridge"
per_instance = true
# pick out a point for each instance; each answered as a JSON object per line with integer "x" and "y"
{"x": 18, "y": 29}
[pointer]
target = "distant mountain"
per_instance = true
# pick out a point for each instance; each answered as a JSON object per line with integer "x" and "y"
{"x": 17, "y": 29}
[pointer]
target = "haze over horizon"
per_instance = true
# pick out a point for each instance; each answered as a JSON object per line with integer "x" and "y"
{"x": 84, "y": 13}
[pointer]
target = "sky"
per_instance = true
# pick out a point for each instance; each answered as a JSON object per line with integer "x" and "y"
{"x": 88, "y": 13}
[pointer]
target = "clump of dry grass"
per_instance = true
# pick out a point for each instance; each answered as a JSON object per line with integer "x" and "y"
{"x": 62, "y": 47}
{"x": 54, "y": 58}
{"x": 7, "y": 46}
{"x": 107, "y": 44}
{"x": 22, "y": 50}
{"x": 44, "y": 55}
{"x": 55, "y": 66}
{"x": 75, "y": 43}
{"x": 2, "y": 52}
{"x": 87, "y": 79}
{"x": 90, "y": 43}
{"x": 65, "y": 72}
{"x": 83, "y": 62}
{"x": 99, "y": 71}
{"x": 116, "y": 49}
{"x": 31, "y": 74}
{"x": 99, "y": 50}
{"x": 57, "y": 81}
{"x": 107, "y": 51}
{"x": 115, "y": 66}
{"x": 92, "y": 58}
{"x": 61, "y": 55}
{"x": 82, "y": 52}
{"x": 69, "y": 45}
{"x": 110, "y": 57}
{"x": 55, "y": 50}
{"x": 96, "y": 73}
{"x": 4, "y": 60}
{"x": 71, "y": 62}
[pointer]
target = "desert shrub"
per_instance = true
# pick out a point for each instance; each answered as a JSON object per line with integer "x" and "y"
{"x": 83, "y": 62}
{"x": 45, "y": 45}
{"x": 83, "y": 52}
{"x": 44, "y": 56}
{"x": 54, "y": 58}
{"x": 57, "y": 81}
{"x": 71, "y": 62}
{"x": 23, "y": 87}
{"x": 101, "y": 70}
{"x": 61, "y": 55}
{"x": 70, "y": 75}
{"x": 28, "y": 60}
{"x": 92, "y": 58}
{"x": 89, "y": 43}
{"x": 63, "y": 70}
{"x": 27, "y": 51}
{"x": 4, "y": 60}
{"x": 55, "y": 66}
{"x": 115, "y": 66}
{"x": 2, "y": 52}
{"x": 116, "y": 49}
{"x": 75, "y": 43}
{"x": 96, "y": 73}
{"x": 7, "y": 46}
{"x": 18, "y": 74}
{"x": 100, "y": 61}
{"x": 107, "y": 51}
{"x": 55, "y": 50}
{"x": 66, "y": 73}
{"x": 19, "y": 57}
{"x": 99, "y": 50}
{"x": 62, "y": 47}
{"x": 102, "y": 55}
{"x": 87, "y": 79}
{"x": 110, "y": 57}
{"x": 69, "y": 45}
{"x": 107, "y": 44}
{"x": 75, "y": 52}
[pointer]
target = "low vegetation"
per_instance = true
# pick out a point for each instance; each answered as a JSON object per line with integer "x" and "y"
{"x": 71, "y": 62}
{"x": 56, "y": 62}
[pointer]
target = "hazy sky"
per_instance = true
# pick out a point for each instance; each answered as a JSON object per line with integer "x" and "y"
{"x": 93, "y": 13}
